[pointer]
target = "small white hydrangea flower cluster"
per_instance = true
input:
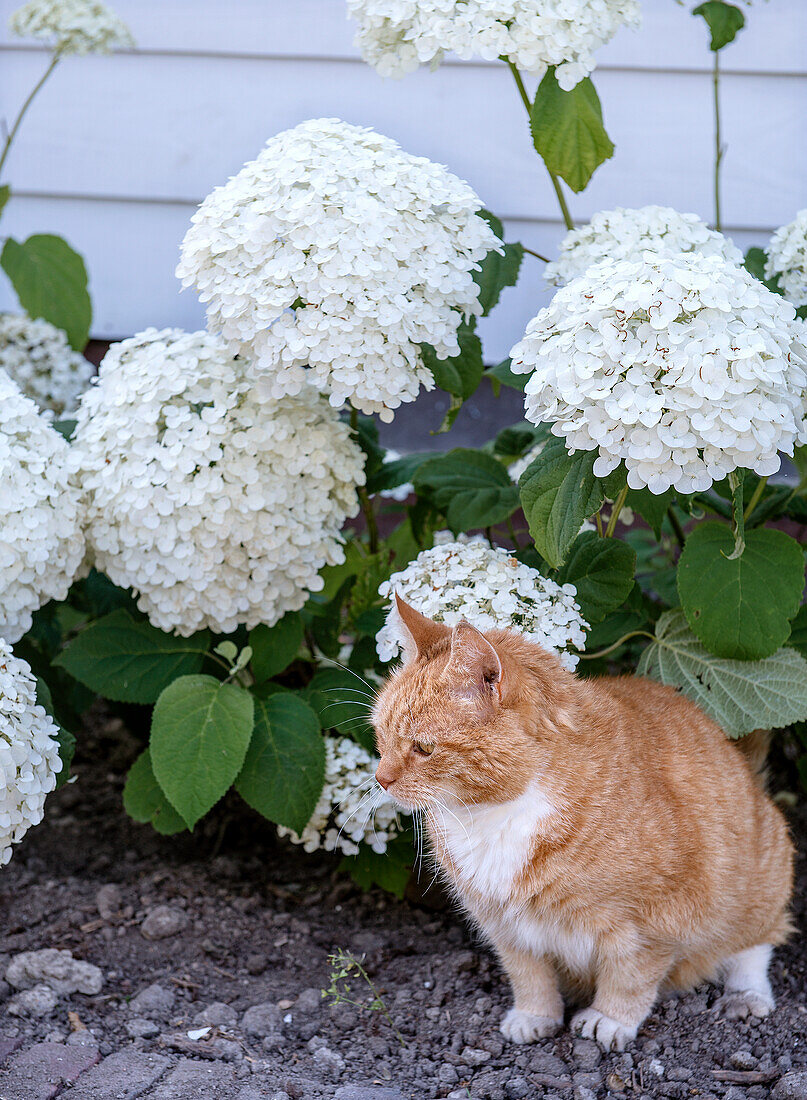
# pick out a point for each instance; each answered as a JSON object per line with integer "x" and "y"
{"x": 396, "y": 36}
{"x": 787, "y": 258}
{"x": 489, "y": 588}
{"x": 517, "y": 468}
{"x": 29, "y": 752}
{"x": 72, "y": 26}
{"x": 345, "y": 817}
{"x": 332, "y": 257}
{"x": 685, "y": 367}
{"x": 37, "y": 356}
{"x": 41, "y": 540}
{"x": 217, "y": 505}
{"x": 624, "y": 234}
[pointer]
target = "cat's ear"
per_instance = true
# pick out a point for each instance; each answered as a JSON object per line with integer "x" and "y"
{"x": 419, "y": 633}
{"x": 474, "y": 667}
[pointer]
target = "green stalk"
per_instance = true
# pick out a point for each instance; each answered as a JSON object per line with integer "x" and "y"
{"x": 719, "y": 150}
{"x": 618, "y": 506}
{"x": 616, "y": 645}
{"x": 755, "y": 498}
{"x": 54, "y": 61}
{"x": 525, "y": 99}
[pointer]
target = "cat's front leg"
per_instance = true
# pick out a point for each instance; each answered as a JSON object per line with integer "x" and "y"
{"x": 626, "y": 987}
{"x": 537, "y": 1004}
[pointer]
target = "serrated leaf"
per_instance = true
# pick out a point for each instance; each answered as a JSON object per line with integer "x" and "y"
{"x": 497, "y": 271}
{"x": 472, "y": 488}
{"x": 723, "y": 20}
{"x": 740, "y": 696}
{"x": 275, "y": 647}
{"x": 284, "y": 769}
{"x": 342, "y": 701}
{"x": 602, "y": 571}
{"x": 567, "y": 130}
{"x": 200, "y": 732}
{"x": 144, "y": 801}
{"x": 502, "y": 374}
{"x": 740, "y": 607}
{"x": 51, "y": 282}
{"x": 130, "y": 661}
{"x": 558, "y": 491}
{"x": 461, "y": 374}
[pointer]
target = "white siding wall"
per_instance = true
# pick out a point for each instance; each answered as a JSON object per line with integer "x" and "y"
{"x": 117, "y": 151}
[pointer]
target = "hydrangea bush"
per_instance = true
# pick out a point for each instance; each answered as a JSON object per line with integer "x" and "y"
{"x": 246, "y": 530}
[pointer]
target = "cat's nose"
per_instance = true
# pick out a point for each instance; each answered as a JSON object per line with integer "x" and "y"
{"x": 384, "y": 776}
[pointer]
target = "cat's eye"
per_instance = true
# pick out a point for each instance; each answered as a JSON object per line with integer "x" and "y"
{"x": 425, "y": 748}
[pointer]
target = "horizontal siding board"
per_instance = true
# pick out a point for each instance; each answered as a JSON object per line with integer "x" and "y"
{"x": 670, "y": 38}
{"x": 131, "y": 251}
{"x": 172, "y": 128}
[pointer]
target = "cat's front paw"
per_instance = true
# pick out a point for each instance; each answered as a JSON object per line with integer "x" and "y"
{"x": 744, "y": 1004}
{"x": 610, "y": 1034}
{"x": 524, "y": 1027}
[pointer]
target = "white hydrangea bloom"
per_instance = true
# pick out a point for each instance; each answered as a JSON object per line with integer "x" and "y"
{"x": 624, "y": 234}
{"x": 348, "y": 814}
{"x": 37, "y": 356}
{"x": 685, "y": 367}
{"x": 72, "y": 26}
{"x": 218, "y": 505}
{"x": 396, "y": 36}
{"x": 29, "y": 752}
{"x": 41, "y": 542}
{"x": 489, "y": 588}
{"x": 332, "y": 257}
{"x": 517, "y": 468}
{"x": 787, "y": 258}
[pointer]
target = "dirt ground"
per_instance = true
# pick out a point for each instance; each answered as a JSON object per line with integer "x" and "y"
{"x": 249, "y": 921}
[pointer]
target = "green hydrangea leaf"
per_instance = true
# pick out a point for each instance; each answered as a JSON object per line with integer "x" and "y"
{"x": 740, "y": 607}
{"x": 740, "y": 696}
{"x": 284, "y": 769}
{"x": 200, "y": 731}
{"x": 568, "y": 131}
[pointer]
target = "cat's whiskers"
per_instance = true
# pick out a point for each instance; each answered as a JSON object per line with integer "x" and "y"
{"x": 447, "y": 808}
{"x": 352, "y": 672}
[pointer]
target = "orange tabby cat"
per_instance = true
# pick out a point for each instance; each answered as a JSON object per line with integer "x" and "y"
{"x": 604, "y": 834}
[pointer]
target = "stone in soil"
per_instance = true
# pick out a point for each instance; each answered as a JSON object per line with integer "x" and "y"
{"x": 163, "y": 922}
{"x": 154, "y": 1002}
{"x": 793, "y": 1086}
{"x": 217, "y": 1014}
{"x": 367, "y": 1092}
{"x": 40, "y": 1000}
{"x": 54, "y": 968}
{"x": 262, "y": 1020}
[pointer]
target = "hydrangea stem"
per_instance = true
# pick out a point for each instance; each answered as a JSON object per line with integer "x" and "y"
{"x": 54, "y": 61}
{"x": 616, "y": 645}
{"x": 755, "y": 498}
{"x": 525, "y": 99}
{"x": 718, "y": 146}
{"x": 619, "y": 504}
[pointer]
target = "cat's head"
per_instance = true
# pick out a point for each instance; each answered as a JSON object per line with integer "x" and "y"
{"x": 465, "y": 715}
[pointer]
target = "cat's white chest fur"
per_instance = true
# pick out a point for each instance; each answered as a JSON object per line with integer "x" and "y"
{"x": 490, "y": 843}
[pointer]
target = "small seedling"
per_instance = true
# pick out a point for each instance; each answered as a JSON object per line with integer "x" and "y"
{"x": 345, "y": 966}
